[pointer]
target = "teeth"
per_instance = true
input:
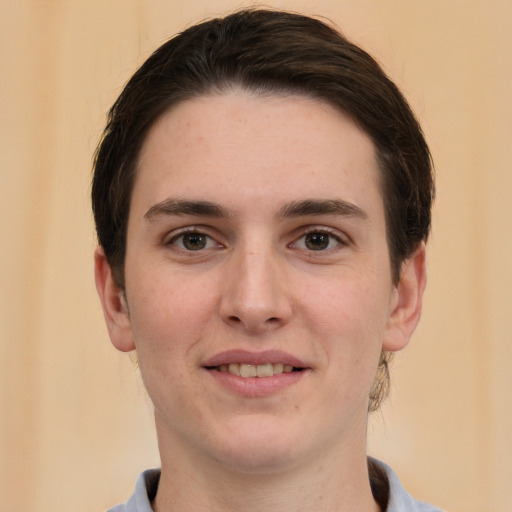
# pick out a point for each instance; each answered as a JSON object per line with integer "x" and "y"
{"x": 258, "y": 370}
{"x": 248, "y": 370}
{"x": 233, "y": 368}
{"x": 264, "y": 370}
{"x": 278, "y": 368}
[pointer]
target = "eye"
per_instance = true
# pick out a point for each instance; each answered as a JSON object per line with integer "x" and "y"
{"x": 318, "y": 240}
{"x": 192, "y": 241}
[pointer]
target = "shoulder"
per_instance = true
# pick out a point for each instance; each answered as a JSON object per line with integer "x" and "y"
{"x": 145, "y": 491}
{"x": 398, "y": 499}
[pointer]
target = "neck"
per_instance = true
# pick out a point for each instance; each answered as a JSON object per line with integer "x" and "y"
{"x": 336, "y": 482}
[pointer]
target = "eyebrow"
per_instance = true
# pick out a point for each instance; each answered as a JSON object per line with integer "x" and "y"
{"x": 185, "y": 207}
{"x": 304, "y": 208}
{"x": 321, "y": 207}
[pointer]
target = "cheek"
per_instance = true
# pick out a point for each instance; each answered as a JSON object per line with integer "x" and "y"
{"x": 167, "y": 315}
{"x": 359, "y": 306}
{"x": 348, "y": 322}
{"x": 167, "y": 322}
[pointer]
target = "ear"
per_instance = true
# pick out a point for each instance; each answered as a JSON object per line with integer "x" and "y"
{"x": 407, "y": 302}
{"x": 114, "y": 304}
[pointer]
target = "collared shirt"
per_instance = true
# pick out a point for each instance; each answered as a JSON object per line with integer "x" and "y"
{"x": 399, "y": 499}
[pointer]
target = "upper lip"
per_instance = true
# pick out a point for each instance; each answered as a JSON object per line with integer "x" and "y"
{"x": 253, "y": 358}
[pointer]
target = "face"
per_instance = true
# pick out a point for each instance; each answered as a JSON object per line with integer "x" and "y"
{"x": 258, "y": 287}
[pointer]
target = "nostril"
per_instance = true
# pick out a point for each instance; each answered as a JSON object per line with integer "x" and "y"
{"x": 254, "y": 319}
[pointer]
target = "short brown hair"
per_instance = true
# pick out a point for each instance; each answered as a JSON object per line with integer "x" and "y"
{"x": 268, "y": 52}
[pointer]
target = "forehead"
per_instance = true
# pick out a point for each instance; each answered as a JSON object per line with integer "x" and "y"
{"x": 248, "y": 148}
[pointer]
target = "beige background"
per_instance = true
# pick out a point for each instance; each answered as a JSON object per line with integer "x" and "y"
{"x": 75, "y": 424}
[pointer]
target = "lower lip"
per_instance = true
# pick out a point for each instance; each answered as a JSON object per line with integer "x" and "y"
{"x": 256, "y": 386}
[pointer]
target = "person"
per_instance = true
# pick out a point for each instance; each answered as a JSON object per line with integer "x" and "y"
{"x": 262, "y": 196}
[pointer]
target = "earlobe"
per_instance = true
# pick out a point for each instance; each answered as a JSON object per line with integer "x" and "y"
{"x": 408, "y": 302}
{"x": 114, "y": 304}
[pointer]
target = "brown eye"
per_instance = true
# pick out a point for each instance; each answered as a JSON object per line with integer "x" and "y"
{"x": 194, "y": 241}
{"x": 317, "y": 241}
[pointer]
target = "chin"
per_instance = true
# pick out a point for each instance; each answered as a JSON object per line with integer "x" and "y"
{"x": 259, "y": 448}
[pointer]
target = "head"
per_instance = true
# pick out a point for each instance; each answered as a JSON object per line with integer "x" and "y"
{"x": 278, "y": 54}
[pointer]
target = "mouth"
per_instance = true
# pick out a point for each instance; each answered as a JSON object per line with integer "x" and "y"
{"x": 241, "y": 363}
{"x": 256, "y": 374}
{"x": 255, "y": 370}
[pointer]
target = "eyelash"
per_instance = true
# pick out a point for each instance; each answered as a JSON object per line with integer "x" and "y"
{"x": 190, "y": 231}
{"x": 314, "y": 230}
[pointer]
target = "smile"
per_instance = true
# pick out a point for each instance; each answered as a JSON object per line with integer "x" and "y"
{"x": 256, "y": 374}
{"x": 256, "y": 370}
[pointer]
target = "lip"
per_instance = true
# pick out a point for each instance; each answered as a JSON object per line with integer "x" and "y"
{"x": 254, "y": 358}
{"x": 254, "y": 387}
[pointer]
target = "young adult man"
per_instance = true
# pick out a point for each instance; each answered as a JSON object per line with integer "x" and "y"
{"x": 262, "y": 198}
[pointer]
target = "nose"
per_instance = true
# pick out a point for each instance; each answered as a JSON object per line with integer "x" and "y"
{"x": 254, "y": 294}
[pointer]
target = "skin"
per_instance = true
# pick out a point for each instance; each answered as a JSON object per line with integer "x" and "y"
{"x": 263, "y": 275}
